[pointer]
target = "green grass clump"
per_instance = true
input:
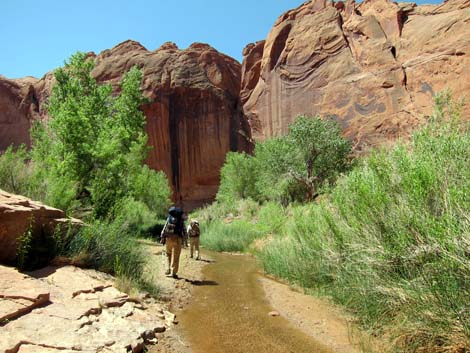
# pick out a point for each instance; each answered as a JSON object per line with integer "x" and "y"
{"x": 235, "y": 236}
{"x": 112, "y": 245}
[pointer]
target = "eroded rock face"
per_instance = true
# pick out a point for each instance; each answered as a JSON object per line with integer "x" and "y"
{"x": 17, "y": 214}
{"x": 374, "y": 66}
{"x": 193, "y": 116}
{"x": 17, "y": 105}
{"x": 68, "y": 309}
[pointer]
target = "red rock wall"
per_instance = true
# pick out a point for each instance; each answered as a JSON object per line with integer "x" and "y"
{"x": 17, "y": 105}
{"x": 374, "y": 66}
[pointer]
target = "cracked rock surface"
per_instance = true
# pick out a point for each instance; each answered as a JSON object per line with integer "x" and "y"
{"x": 67, "y": 309}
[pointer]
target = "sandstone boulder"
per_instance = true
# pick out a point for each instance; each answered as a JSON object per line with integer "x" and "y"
{"x": 18, "y": 214}
{"x": 374, "y": 66}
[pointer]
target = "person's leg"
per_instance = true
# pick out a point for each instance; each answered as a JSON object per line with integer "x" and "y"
{"x": 169, "y": 248}
{"x": 191, "y": 247}
{"x": 176, "y": 256}
{"x": 196, "y": 247}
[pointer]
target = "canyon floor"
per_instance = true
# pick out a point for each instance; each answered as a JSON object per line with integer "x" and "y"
{"x": 224, "y": 303}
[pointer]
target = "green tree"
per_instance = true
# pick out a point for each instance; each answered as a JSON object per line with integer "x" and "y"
{"x": 238, "y": 178}
{"x": 94, "y": 144}
{"x": 299, "y": 163}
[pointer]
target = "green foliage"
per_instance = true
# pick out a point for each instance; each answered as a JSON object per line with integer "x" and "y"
{"x": 316, "y": 153}
{"x": 24, "y": 246}
{"x": 234, "y": 236}
{"x": 391, "y": 243}
{"x": 111, "y": 245}
{"x": 152, "y": 189}
{"x": 91, "y": 151}
{"x": 15, "y": 175}
{"x": 238, "y": 178}
{"x": 288, "y": 168}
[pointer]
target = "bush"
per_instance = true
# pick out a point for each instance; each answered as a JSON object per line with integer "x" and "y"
{"x": 238, "y": 178}
{"x": 151, "y": 188}
{"x": 289, "y": 168}
{"x": 15, "y": 174}
{"x": 111, "y": 245}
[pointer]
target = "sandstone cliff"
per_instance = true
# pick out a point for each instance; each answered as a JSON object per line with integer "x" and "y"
{"x": 193, "y": 116}
{"x": 374, "y": 66}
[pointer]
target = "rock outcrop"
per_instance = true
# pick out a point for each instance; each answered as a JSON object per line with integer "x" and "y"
{"x": 374, "y": 66}
{"x": 68, "y": 309}
{"x": 18, "y": 214}
{"x": 193, "y": 115}
{"x": 18, "y": 105}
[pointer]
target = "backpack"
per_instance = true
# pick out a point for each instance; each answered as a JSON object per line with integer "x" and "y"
{"x": 174, "y": 222}
{"x": 194, "y": 230}
{"x": 170, "y": 227}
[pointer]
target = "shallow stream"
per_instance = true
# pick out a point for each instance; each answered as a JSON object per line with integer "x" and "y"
{"x": 229, "y": 313}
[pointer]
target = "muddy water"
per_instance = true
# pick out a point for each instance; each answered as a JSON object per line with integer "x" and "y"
{"x": 229, "y": 313}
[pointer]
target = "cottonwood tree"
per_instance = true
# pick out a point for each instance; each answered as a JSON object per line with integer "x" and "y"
{"x": 92, "y": 147}
{"x": 312, "y": 153}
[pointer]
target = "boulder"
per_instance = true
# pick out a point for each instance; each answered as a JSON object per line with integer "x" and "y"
{"x": 374, "y": 67}
{"x": 18, "y": 214}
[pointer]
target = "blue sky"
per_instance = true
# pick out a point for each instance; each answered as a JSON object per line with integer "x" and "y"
{"x": 37, "y": 36}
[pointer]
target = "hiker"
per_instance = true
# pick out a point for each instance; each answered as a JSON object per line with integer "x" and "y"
{"x": 193, "y": 233}
{"x": 173, "y": 235}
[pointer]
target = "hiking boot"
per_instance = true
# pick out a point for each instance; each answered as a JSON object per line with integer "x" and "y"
{"x": 167, "y": 273}
{"x": 175, "y": 276}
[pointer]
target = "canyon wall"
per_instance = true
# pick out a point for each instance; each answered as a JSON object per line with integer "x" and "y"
{"x": 374, "y": 67}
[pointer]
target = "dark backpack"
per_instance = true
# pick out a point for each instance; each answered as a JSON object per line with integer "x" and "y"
{"x": 174, "y": 222}
{"x": 170, "y": 227}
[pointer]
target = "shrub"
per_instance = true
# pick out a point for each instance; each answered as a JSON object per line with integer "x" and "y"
{"x": 15, "y": 174}
{"x": 289, "y": 168}
{"x": 238, "y": 178}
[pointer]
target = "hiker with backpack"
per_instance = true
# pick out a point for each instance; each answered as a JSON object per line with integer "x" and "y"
{"x": 193, "y": 233}
{"x": 173, "y": 236}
